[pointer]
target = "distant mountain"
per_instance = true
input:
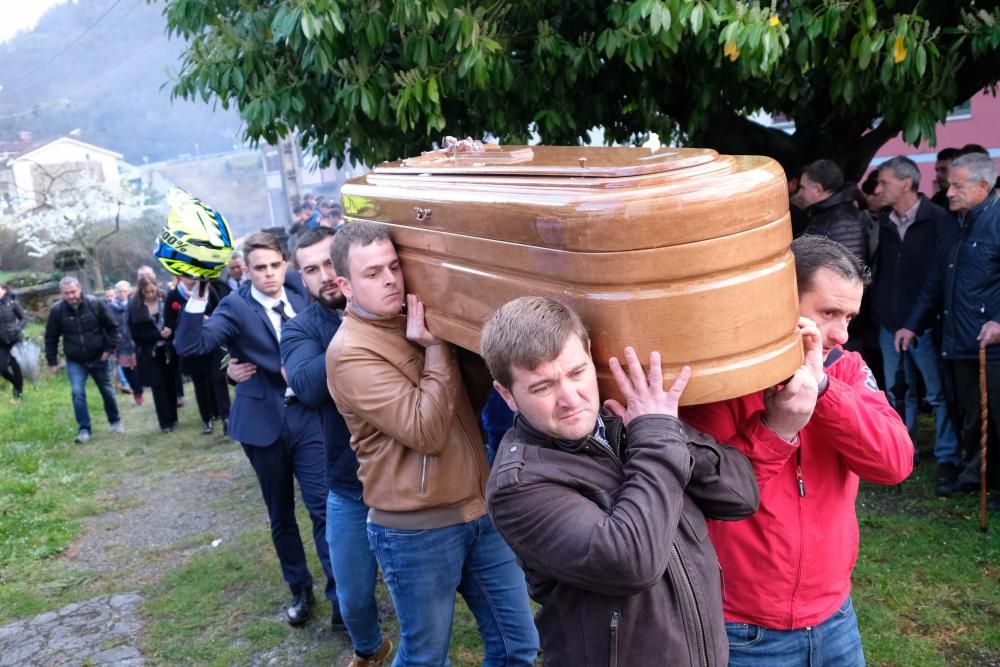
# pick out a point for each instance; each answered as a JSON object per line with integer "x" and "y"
{"x": 109, "y": 84}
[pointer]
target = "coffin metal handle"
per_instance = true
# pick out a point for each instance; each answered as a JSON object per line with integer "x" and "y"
{"x": 423, "y": 214}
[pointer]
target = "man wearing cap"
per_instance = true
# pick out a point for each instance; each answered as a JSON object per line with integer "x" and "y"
{"x": 282, "y": 438}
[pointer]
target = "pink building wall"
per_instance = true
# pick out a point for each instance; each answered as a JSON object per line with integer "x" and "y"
{"x": 981, "y": 125}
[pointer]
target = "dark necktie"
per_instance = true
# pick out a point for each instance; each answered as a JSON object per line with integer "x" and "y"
{"x": 279, "y": 308}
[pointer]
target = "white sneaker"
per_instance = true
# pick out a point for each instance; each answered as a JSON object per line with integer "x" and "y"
{"x": 83, "y": 436}
{"x": 117, "y": 428}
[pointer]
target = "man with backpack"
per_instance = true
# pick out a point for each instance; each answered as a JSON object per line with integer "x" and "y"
{"x": 89, "y": 336}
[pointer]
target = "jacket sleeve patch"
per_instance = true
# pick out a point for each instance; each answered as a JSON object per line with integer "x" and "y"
{"x": 870, "y": 379}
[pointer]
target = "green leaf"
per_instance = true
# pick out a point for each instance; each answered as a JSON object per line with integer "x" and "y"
{"x": 885, "y": 72}
{"x": 369, "y": 103}
{"x": 338, "y": 23}
{"x": 864, "y": 58}
{"x": 307, "y": 22}
{"x": 508, "y": 75}
{"x": 467, "y": 61}
{"x": 371, "y": 34}
{"x": 920, "y": 58}
{"x": 421, "y": 48}
{"x": 877, "y": 43}
{"x": 697, "y": 16}
{"x": 871, "y": 17}
{"x": 802, "y": 53}
{"x": 911, "y": 130}
{"x": 432, "y": 90}
{"x": 814, "y": 29}
{"x": 655, "y": 20}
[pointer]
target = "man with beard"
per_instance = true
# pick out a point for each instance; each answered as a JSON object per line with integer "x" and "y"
{"x": 303, "y": 351}
{"x": 89, "y": 336}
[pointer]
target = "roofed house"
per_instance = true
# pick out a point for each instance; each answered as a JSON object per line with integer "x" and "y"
{"x": 28, "y": 170}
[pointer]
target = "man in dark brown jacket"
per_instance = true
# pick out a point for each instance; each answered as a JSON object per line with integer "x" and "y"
{"x": 606, "y": 509}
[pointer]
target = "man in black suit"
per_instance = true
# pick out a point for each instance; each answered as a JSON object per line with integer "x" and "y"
{"x": 282, "y": 437}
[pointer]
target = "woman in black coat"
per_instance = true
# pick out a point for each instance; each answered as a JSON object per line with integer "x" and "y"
{"x": 12, "y": 322}
{"x": 155, "y": 356}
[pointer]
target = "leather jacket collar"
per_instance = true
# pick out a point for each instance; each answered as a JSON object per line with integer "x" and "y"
{"x": 532, "y": 436}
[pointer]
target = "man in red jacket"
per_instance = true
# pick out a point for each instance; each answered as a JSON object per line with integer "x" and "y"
{"x": 787, "y": 569}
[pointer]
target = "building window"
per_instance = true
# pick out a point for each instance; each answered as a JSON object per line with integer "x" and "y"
{"x": 963, "y": 110}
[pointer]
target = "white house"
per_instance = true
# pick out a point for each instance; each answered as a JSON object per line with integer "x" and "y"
{"x": 54, "y": 164}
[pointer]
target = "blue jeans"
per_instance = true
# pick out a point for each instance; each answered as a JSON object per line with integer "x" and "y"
{"x": 833, "y": 643}
{"x": 424, "y": 568}
{"x": 354, "y": 569}
{"x": 100, "y": 371}
{"x": 922, "y": 357}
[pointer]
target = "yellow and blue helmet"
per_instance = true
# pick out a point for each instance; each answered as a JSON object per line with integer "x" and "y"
{"x": 196, "y": 242}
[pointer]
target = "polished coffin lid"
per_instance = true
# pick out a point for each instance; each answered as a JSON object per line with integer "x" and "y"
{"x": 678, "y": 250}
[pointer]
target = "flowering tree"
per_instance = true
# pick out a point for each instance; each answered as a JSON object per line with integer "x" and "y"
{"x": 71, "y": 207}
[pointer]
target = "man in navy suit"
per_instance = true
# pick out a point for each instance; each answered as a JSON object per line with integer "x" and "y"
{"x": 282, "y": 437}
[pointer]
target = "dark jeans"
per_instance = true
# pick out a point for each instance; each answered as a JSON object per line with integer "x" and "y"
{"x": 299, "y": 453}
{"x": 101, "y": 372}
{"x": 965, "y": 373}
{"x": 10, "y": 369}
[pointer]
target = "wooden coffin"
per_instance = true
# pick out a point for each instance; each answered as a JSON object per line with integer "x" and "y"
{"x": 684, "y": 251}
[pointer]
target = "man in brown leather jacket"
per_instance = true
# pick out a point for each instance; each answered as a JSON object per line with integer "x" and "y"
{"x": 422, "y": 464}
{"x": 606, "y": 509}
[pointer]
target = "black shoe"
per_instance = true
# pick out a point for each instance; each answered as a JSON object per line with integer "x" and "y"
{"x": 301, "y": 608}
{"x": 336, "y": 620}
{"x": 965, "y": 485}
{"x": 993, "y": 502}
{"x": 207, "y": 428}
{"x": 947, "y": 473}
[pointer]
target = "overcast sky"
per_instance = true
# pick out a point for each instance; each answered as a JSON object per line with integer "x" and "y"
{"x": 17, "y": 15}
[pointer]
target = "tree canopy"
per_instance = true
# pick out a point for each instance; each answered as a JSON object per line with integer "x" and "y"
{"x": 384, "y": 80}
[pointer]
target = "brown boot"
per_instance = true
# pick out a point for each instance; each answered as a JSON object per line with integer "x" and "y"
{"x": 380, "y": 658}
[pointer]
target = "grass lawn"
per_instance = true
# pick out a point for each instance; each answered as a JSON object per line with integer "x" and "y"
{"x": 926, "y": 583}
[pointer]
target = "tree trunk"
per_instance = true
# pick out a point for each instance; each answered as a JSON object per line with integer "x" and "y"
{"x": 734, "y": 134}
{"x": 95, "y": 266}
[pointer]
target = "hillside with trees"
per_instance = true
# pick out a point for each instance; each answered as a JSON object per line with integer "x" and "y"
{"x": 100, "y": 66}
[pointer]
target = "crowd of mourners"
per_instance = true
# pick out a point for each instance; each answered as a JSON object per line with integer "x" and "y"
{"x": 647, "y": 533}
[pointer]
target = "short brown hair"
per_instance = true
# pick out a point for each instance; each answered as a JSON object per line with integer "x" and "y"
{"x": 361, "y": 233}
{"x": 526, "y": 332}
{"x": 813, "y": 253}
{"x": 261, "y": 241}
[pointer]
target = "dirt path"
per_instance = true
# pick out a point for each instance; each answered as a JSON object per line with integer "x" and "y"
{"x": 157, "y": 519}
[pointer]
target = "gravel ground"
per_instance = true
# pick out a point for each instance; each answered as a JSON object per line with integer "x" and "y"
{"x": 165, "y": 518}
{"x": 158, "y": 520}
